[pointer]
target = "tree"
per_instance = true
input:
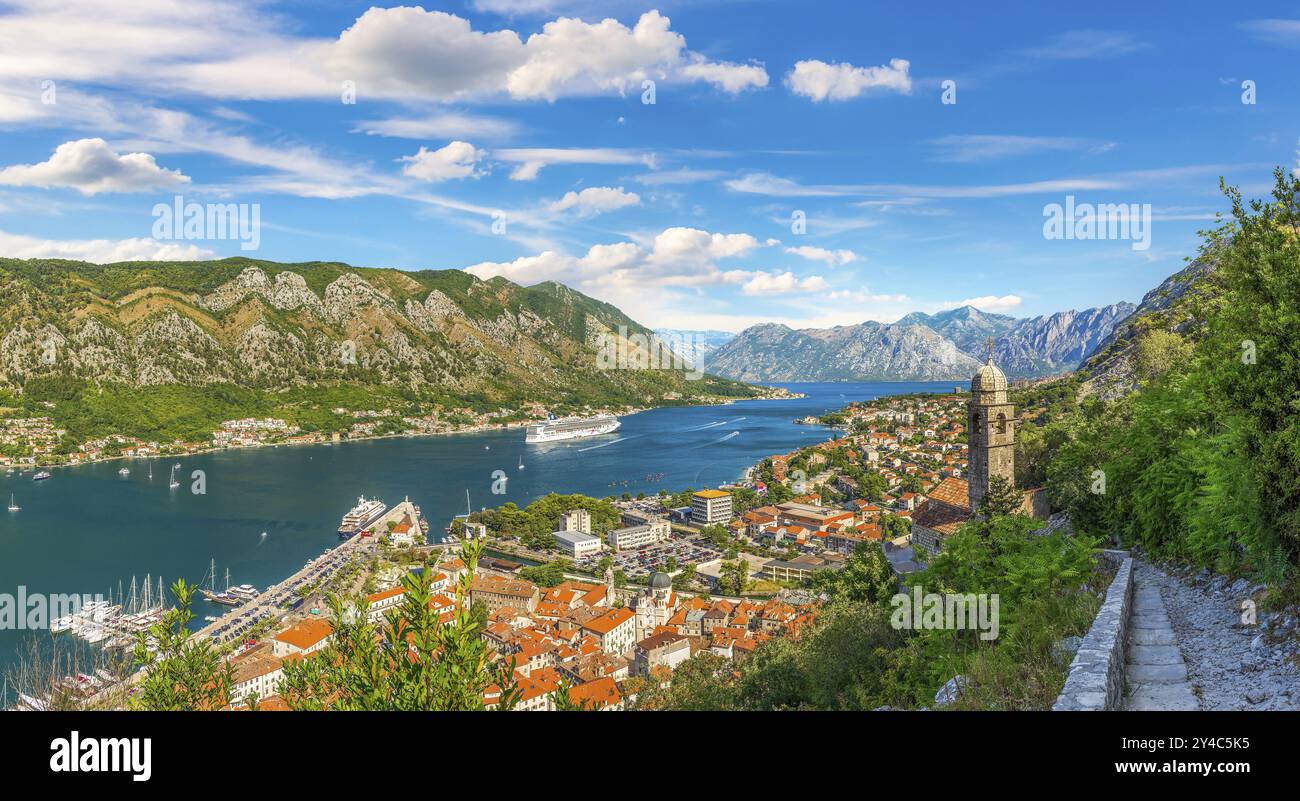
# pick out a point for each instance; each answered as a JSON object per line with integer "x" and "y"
{"x": 549, "y": 574}
{"x": 183, "y": 673}
{"x": 705, "y": 682}
{"x": 412, "y": 661}
{"x": 866, "y": 576}
{"x": 1158, "y": 351}
{"x": 563, "y": 701}
{"x": 1001, "y": 499}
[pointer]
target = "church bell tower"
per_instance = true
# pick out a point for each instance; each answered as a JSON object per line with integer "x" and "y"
{"x": 990, "y": 431}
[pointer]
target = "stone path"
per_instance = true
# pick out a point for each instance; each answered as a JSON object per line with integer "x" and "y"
{"x": 1232, "y": 664}
{"x": 1156, "y": 675}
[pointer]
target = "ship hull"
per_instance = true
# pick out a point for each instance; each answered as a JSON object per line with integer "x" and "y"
{"x": 595, "y": 430}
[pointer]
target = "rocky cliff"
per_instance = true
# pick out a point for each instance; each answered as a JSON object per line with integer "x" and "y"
{"x": 442, "y": 335}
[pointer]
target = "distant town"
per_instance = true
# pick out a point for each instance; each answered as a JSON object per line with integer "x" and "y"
{"x": 623, "y": 590}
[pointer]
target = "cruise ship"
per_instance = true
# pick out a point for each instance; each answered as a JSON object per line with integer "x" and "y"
{"x": 362, "y": 515}
{"x": 559, "y": 428}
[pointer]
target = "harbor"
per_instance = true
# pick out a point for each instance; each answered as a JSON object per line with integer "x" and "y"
{"x": 267, "y": 512}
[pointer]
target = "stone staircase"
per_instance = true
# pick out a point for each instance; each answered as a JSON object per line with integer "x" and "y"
{"x": 1155, "y": 674}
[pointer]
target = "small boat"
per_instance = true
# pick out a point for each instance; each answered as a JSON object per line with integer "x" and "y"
{"x": 61, "y": 625}
{"x": 174, "y": 483}
{"x": 41, "y": 476}
{"x": 246, "y": 592}
{"x": 124, "y": 472}
{"x": 13, "y": 507}
{"x": 521, "y": 463}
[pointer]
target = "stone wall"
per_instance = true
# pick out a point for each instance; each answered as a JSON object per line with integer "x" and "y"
{"x": 1096, "y": 679}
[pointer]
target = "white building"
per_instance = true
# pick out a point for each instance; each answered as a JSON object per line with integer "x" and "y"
{"x": 576, "y": 520}
{"x": 710, "y": 506}
{"x": 623, "y": 539}
{"x": 577, "y": 544}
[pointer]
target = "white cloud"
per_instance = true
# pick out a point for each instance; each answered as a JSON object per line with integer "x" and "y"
{"x": 90, "y": 166}
{"x": 1276, "y": 31}
{"x": 450, "y": 125}
{"x": 1085, "y": 44}
{"x": 596, "y": 200}
{"x": 821, "y": 81}
{"x": 988, "y": 303}
{"x": 99, "y": 251}
{"x": 972, "y": 148}
{"x": 531, "y": 160}
{"x": 692, "y": 247}
{"x": 775, "y": 186}
{"x": 733, "y": 78}
{"x": 683, "y": 257}
{"x": 765, "y": 283}
{"x": 413, "y": 54}
{"x": 683, "y": 175}
{"x": 832, "y": 258}
{"x": 454, "y": 161}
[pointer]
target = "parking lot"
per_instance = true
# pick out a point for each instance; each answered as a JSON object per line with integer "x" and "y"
{"x": 644, "y": 561}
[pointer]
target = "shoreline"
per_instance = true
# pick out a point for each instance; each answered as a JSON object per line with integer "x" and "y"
{"x": 478, "y": 429}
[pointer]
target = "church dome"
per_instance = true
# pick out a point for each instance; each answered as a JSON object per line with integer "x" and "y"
{"x": 988, "y": 379}
{"x": 660, "y": 581}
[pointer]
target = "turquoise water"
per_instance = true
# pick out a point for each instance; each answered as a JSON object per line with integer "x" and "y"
{"x": 269, "y": 510}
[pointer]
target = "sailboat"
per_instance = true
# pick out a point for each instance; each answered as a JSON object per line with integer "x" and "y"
{"x": 521, "y": 462}
{"x": 13, "y": 507}
{"x": 151, "y": 469}
{"x": 174, "y": 483}
{"x": 224, "y": 597}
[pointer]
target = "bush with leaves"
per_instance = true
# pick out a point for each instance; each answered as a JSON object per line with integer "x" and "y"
{"x": 181, "y": 672}
{"x": 411, "y": 661}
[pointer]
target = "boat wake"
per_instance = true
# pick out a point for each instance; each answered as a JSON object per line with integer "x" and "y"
{"x": 713, "y": 424}
{"x": 607, "y": 444}
{"x": 724, "y": 438}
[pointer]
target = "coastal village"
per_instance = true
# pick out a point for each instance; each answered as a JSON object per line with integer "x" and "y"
{"x": 724, "y": 573}
{"x": 623, "y": 591}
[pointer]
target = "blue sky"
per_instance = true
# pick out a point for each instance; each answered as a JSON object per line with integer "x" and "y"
{"x": 531, "y": 113}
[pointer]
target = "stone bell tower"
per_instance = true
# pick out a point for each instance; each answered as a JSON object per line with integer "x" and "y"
{"x": 990, "y": 431}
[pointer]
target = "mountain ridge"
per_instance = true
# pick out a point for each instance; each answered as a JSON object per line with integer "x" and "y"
{"x": 429, "y": 338}
{"x": 1032, "y": 347}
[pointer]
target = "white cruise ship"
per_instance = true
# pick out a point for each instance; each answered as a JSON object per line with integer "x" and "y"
{"x": 361, "y": 515}
{"x": 558, "y": 428}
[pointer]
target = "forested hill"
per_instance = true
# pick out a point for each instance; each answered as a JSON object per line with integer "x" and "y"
{"x": 163, "y": 339}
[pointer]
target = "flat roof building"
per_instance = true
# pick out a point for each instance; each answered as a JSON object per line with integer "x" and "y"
{"x": 710, "y": 506}
{"x": 577, "y": 544}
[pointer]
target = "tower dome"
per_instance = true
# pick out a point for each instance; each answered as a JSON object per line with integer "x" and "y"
{"x": 988, "y": 378}
{"x": 660, "y": 581}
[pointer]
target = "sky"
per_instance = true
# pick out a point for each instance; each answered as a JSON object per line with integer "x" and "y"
{"x": 701, "y": 164}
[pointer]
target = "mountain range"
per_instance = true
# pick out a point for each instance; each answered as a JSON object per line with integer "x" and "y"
{"x": 288, "y": 337}
{"x": 918, "y": 347}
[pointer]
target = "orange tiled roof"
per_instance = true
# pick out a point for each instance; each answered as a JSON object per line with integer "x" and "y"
{"x": 305, "y": 634}
{"x": 953, "y": 492}
{"x": 607, "y": 622}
